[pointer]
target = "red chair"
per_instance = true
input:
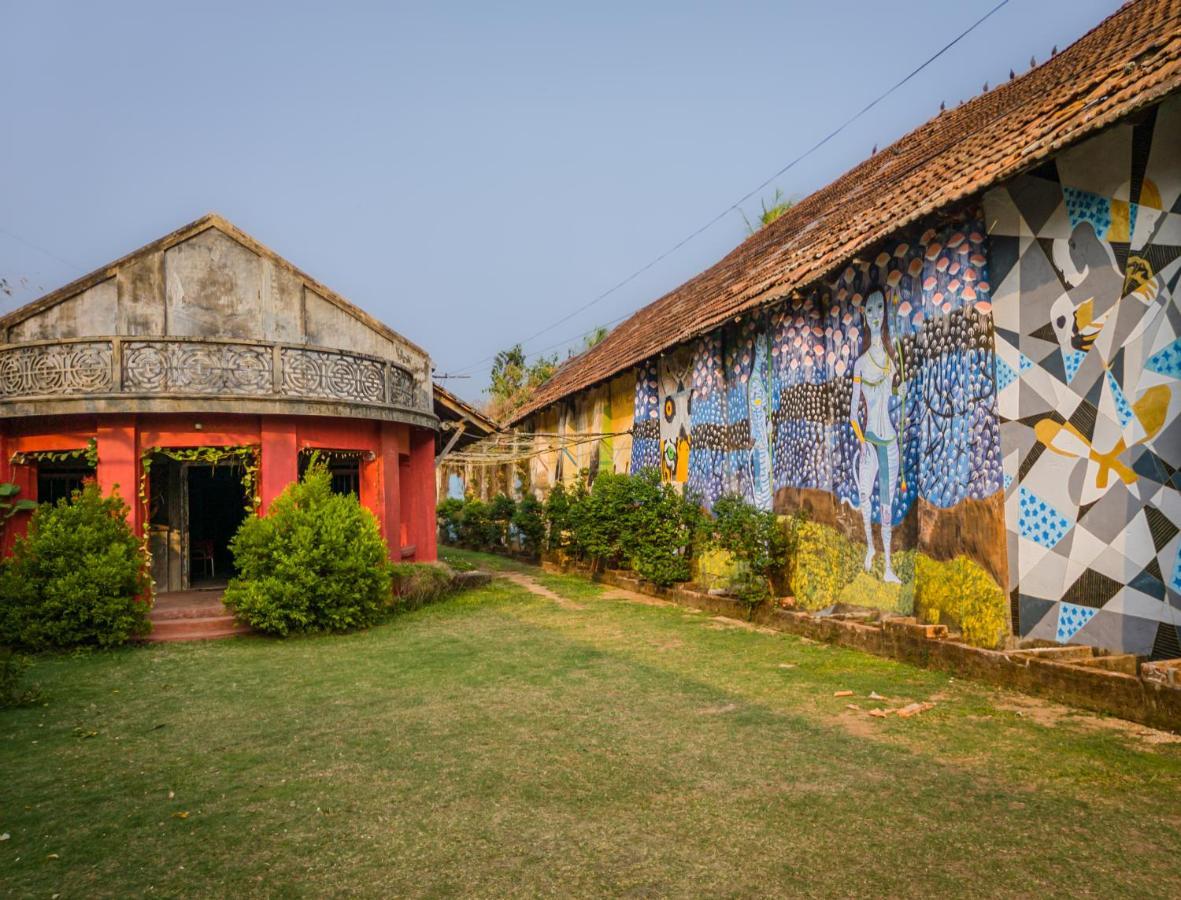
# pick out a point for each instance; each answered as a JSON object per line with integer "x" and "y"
{"x": 201, "y": 551}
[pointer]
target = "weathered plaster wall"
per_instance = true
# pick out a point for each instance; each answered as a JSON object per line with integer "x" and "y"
{"x": 212, "y": 285}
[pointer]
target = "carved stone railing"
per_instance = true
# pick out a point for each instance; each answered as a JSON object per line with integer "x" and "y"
{"x": 178, "y": 367}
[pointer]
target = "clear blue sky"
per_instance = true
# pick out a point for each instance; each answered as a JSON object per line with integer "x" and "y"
{"x": 467, "y": 172}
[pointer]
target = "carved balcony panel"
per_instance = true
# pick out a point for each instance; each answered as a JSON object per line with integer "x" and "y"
{"x": 189, "y": 367}
{"x": 144, "y": 373}
{"x": 79, "y": 367}
{"x": 333, "y": 375}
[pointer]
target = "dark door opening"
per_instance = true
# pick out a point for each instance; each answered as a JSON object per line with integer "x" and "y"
{"x": 217, "y": 506}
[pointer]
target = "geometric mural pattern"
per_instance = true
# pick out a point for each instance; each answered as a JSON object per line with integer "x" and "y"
{"x": 1085, "y": 259}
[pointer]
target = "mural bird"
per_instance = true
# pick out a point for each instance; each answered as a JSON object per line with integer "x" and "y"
{"x": 1063, "y": 438}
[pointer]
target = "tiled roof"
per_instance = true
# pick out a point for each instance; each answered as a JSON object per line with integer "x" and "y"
{"x": 1129, "y": 61}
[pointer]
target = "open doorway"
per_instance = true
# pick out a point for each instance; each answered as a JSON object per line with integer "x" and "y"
{"x": 194, "y": 512}
{"x": 216, "y": 507}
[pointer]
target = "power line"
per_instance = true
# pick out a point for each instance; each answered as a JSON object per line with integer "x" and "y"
{"x": 737, "y": 203}
{"x": 39, "y": 248}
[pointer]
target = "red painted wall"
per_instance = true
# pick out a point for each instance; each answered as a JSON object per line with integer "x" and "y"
{"x": 402, "y": 498}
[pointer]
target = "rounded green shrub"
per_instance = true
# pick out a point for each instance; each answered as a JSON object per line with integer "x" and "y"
{"x": 315, "y": 562}
{"x": 78, "y": 577}
{"x": 529, "y": 522}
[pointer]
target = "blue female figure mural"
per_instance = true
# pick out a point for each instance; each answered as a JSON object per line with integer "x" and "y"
{"x": 873, "y": 381}
{"x": 758, "y": 400}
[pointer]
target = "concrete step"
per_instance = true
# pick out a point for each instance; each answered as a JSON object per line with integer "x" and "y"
{"x": 206, "y": 636}
{"x": 195, "y": 628}
{"x": 196, "y": 610}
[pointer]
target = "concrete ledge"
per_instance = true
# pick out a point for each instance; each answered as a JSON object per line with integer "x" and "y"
{"x": 1071, "y": 675}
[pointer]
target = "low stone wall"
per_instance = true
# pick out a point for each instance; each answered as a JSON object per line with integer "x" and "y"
{"x": 1070, "y": 675}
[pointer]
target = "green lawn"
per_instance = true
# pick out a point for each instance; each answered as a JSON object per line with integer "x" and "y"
{"x": 503, "y": 743}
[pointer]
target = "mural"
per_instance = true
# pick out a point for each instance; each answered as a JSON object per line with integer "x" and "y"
{"x": 877, "y": 393}
{"x": 1086, "y": 252}
{"x": 646, "y": 419}
{"x": 675, "y": 401}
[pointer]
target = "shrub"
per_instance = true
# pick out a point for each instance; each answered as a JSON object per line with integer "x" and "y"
{"x": 447, "y": 516}
{"x": 501, "y": 511}
{"x": 529, "y": 522}
{"x": 315, "y": 562}
{"x": 602, "y": 518}
{"x": 417, "y": 584}
{"x": 78, "y": 577}
{"x": 660, "y": 530}
{"x": 476, "y": 528}
{"x": 756, "y": 540}
{"x": 558, "y": 526}
{"x": 12, "y": 672}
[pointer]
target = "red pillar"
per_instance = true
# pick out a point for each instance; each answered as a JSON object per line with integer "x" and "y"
{"x": 387, "y": 502}
{"x": 422, "y": 475}
{"x": 24, "y": 477}
{"x": 119, "y": 464}
{"x": 279, "y": 463}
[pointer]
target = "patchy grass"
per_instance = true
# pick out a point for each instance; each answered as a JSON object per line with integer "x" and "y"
{"x": 502, "y": 743}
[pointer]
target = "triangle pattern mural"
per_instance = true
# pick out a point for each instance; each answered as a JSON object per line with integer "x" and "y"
{"x": 1093, "y": 421}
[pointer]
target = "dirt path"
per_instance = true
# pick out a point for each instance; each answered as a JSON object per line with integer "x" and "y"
{"x": 522, "y": 580}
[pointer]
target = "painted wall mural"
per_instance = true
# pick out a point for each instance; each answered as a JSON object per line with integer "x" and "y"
{"x": 675, "y": 402}
{"x": 646, "y": 419}
{"x": 877, "y": 392}
{"x": 1086, "y": 253}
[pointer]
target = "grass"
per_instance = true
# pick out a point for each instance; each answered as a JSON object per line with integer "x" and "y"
{"x": 500, "y": 743}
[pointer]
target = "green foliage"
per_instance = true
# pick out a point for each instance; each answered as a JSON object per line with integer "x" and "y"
{"x": 89, "y": 454}
{"x": 629, "y": 520}
{"x": 417, "y": 584}
{"x": 757, "y": 541}
{"x": 447, "y": 515}
{"x": 662, "y": 527}
{"x": 501, "y": 511}
{"x": 79, "y": 577}
{"x": 514, "y": 380}
{"x": 476, "y": 528}
{"x": 559, "y": 529}
{"x": 315, "y": 562}
{"x": 10, "y": 505}
{"x": 779, "y": 206}
{"x": 602, "y": 518}
{"x": 13, "y": 691}
{"x": 529, "y": 522}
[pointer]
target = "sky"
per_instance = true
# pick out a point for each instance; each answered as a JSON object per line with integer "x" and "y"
{"x": 469, "y": 173}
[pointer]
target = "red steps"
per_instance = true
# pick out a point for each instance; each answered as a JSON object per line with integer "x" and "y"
{"x": 192, "y": 616}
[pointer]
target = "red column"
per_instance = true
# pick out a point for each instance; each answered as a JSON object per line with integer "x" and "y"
{"x": 279, "y": 464}
{"x": 119, "y": 464}
{"x": 388, "y": 496}
{"x": 422, "y": 475}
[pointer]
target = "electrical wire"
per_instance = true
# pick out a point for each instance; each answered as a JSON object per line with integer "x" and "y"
{"x": 751, "y": 193}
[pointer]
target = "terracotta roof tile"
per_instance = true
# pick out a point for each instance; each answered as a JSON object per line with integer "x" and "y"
{"x": 1130, "y": 60}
